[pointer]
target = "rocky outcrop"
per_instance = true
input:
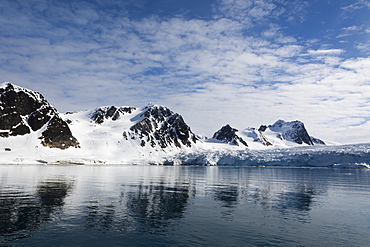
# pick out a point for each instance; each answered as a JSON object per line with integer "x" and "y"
{"x": 291, "y": 131}
{"x": 110, "y": 112}
{"x": 159, "y": 126}
{"x": 23, "y": 111}
{"x": 317, "y": 141}
{"x": 280, "y": 133}
{"x": 156, "y": 126}
{"x": 58, "y": 134}
{"x": 258, "y": 136}
{"x": 228, "y": 135}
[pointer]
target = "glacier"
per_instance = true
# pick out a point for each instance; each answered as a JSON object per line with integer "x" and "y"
{"x": 340, "y": 156}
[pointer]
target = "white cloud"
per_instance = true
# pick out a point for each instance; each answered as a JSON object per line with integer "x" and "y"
{"x": 357, "y": 5}
{"x": 351, "y": 30}
{"x": 249, "y": 12}
{"x": 363, "y": 47}
{"x": 211, "y": 71}
{"x": 328, "y": 107}
{"x": 325, "y": 52}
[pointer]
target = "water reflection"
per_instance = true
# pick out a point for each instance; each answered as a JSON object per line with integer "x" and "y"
{"x": 154, "y": 206}
{"x": 22, "y": 211}
{"x": 300, "y": 200}
{"x": 228, "y": 195}
{"x": 155, "y": 201}
{"x": 141, "y": 208}
{"x": 100, "y": 216}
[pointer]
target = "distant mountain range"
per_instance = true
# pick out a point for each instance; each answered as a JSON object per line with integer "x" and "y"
{"x": 33, "y": 130}
{"x": 281, "y": 132}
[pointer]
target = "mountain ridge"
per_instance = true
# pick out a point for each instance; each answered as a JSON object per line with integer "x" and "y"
{"x": 278, "y": 134}
{"x": 116, "y": 134}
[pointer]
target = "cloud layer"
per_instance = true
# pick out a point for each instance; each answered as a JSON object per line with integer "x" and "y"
{"x": 238, "y": 62}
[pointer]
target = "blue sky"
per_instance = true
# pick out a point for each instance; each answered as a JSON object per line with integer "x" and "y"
{"x": 242, "y": 62}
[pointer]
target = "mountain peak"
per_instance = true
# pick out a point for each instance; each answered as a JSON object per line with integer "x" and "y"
{"x": 158, "y": 125}
{"x": 228, "y": 134}
{"x": 7, "y": 86}
{"x": 280, "y": 134}
{"x": 23, "y": 111}
{"x": 292, "y": 131}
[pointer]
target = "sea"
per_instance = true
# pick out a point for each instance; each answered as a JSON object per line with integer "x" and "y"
{"x": 143, "y": 205}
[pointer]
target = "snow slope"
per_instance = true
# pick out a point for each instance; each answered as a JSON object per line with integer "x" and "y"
{"x": 151, "y": 135}
{"x": 281, "y": 134}
{"x": 109, "y": 135}
{"x": 115, "y": 141}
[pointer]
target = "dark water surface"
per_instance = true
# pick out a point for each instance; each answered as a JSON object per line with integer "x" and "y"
{"x": 183, "y": 206}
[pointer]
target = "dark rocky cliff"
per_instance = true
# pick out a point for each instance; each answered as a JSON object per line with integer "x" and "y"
{"x": 160, "y": 126}
{"x": 228, "y": 134}
{"x": 23, "y": 111}
{"x": 110, "y": 112}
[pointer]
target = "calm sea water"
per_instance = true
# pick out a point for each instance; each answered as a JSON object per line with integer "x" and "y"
{"x": 183, "y": 206}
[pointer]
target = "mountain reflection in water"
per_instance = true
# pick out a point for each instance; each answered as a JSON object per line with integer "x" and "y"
{"x": 22, "y": 211}
{"x": 126, "y": 203}
{"x": 148, "y": 208}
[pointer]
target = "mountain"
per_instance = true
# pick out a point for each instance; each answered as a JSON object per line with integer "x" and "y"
{"x": 33, "y": 131}
{"x": 153, "y": 125}
{"x": 127, "y": 134}
{"x": 160, "y": 126}
{"x": 102, "y": 114}
{"x": 23, "y": 111}
{"x": 279, "y": 134}
{"x": 228, "y": 135}
{"x": 317, "y": 141}
{"x": 291, "y": 131}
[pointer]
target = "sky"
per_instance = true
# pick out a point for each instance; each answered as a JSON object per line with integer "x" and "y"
{"x": 216, "y": 62}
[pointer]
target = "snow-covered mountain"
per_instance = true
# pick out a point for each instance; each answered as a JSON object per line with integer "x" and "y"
{"x": 24, "y": 111}
{"x": 279, "y": 134}
{"x": 126, "y": 134}
{"x": 33, "y": 131}
{"x": 228, "y": 135}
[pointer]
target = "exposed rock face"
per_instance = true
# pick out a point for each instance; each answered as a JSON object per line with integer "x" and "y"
{"x": 293, "y": 131}
{"x": 317, "y": 141}
{"x": 228, "y": 134}
{"x": 111, "y": 112}
{"x": 23, "y": 111}
{"x": 258, "y": 136}
{"x": 160, "y": 126}
{"x": 155, "y": 125}
{"x": 262, "y": 128}
{"x": 270, "y": 135}
{"x": 58, "y": 135}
